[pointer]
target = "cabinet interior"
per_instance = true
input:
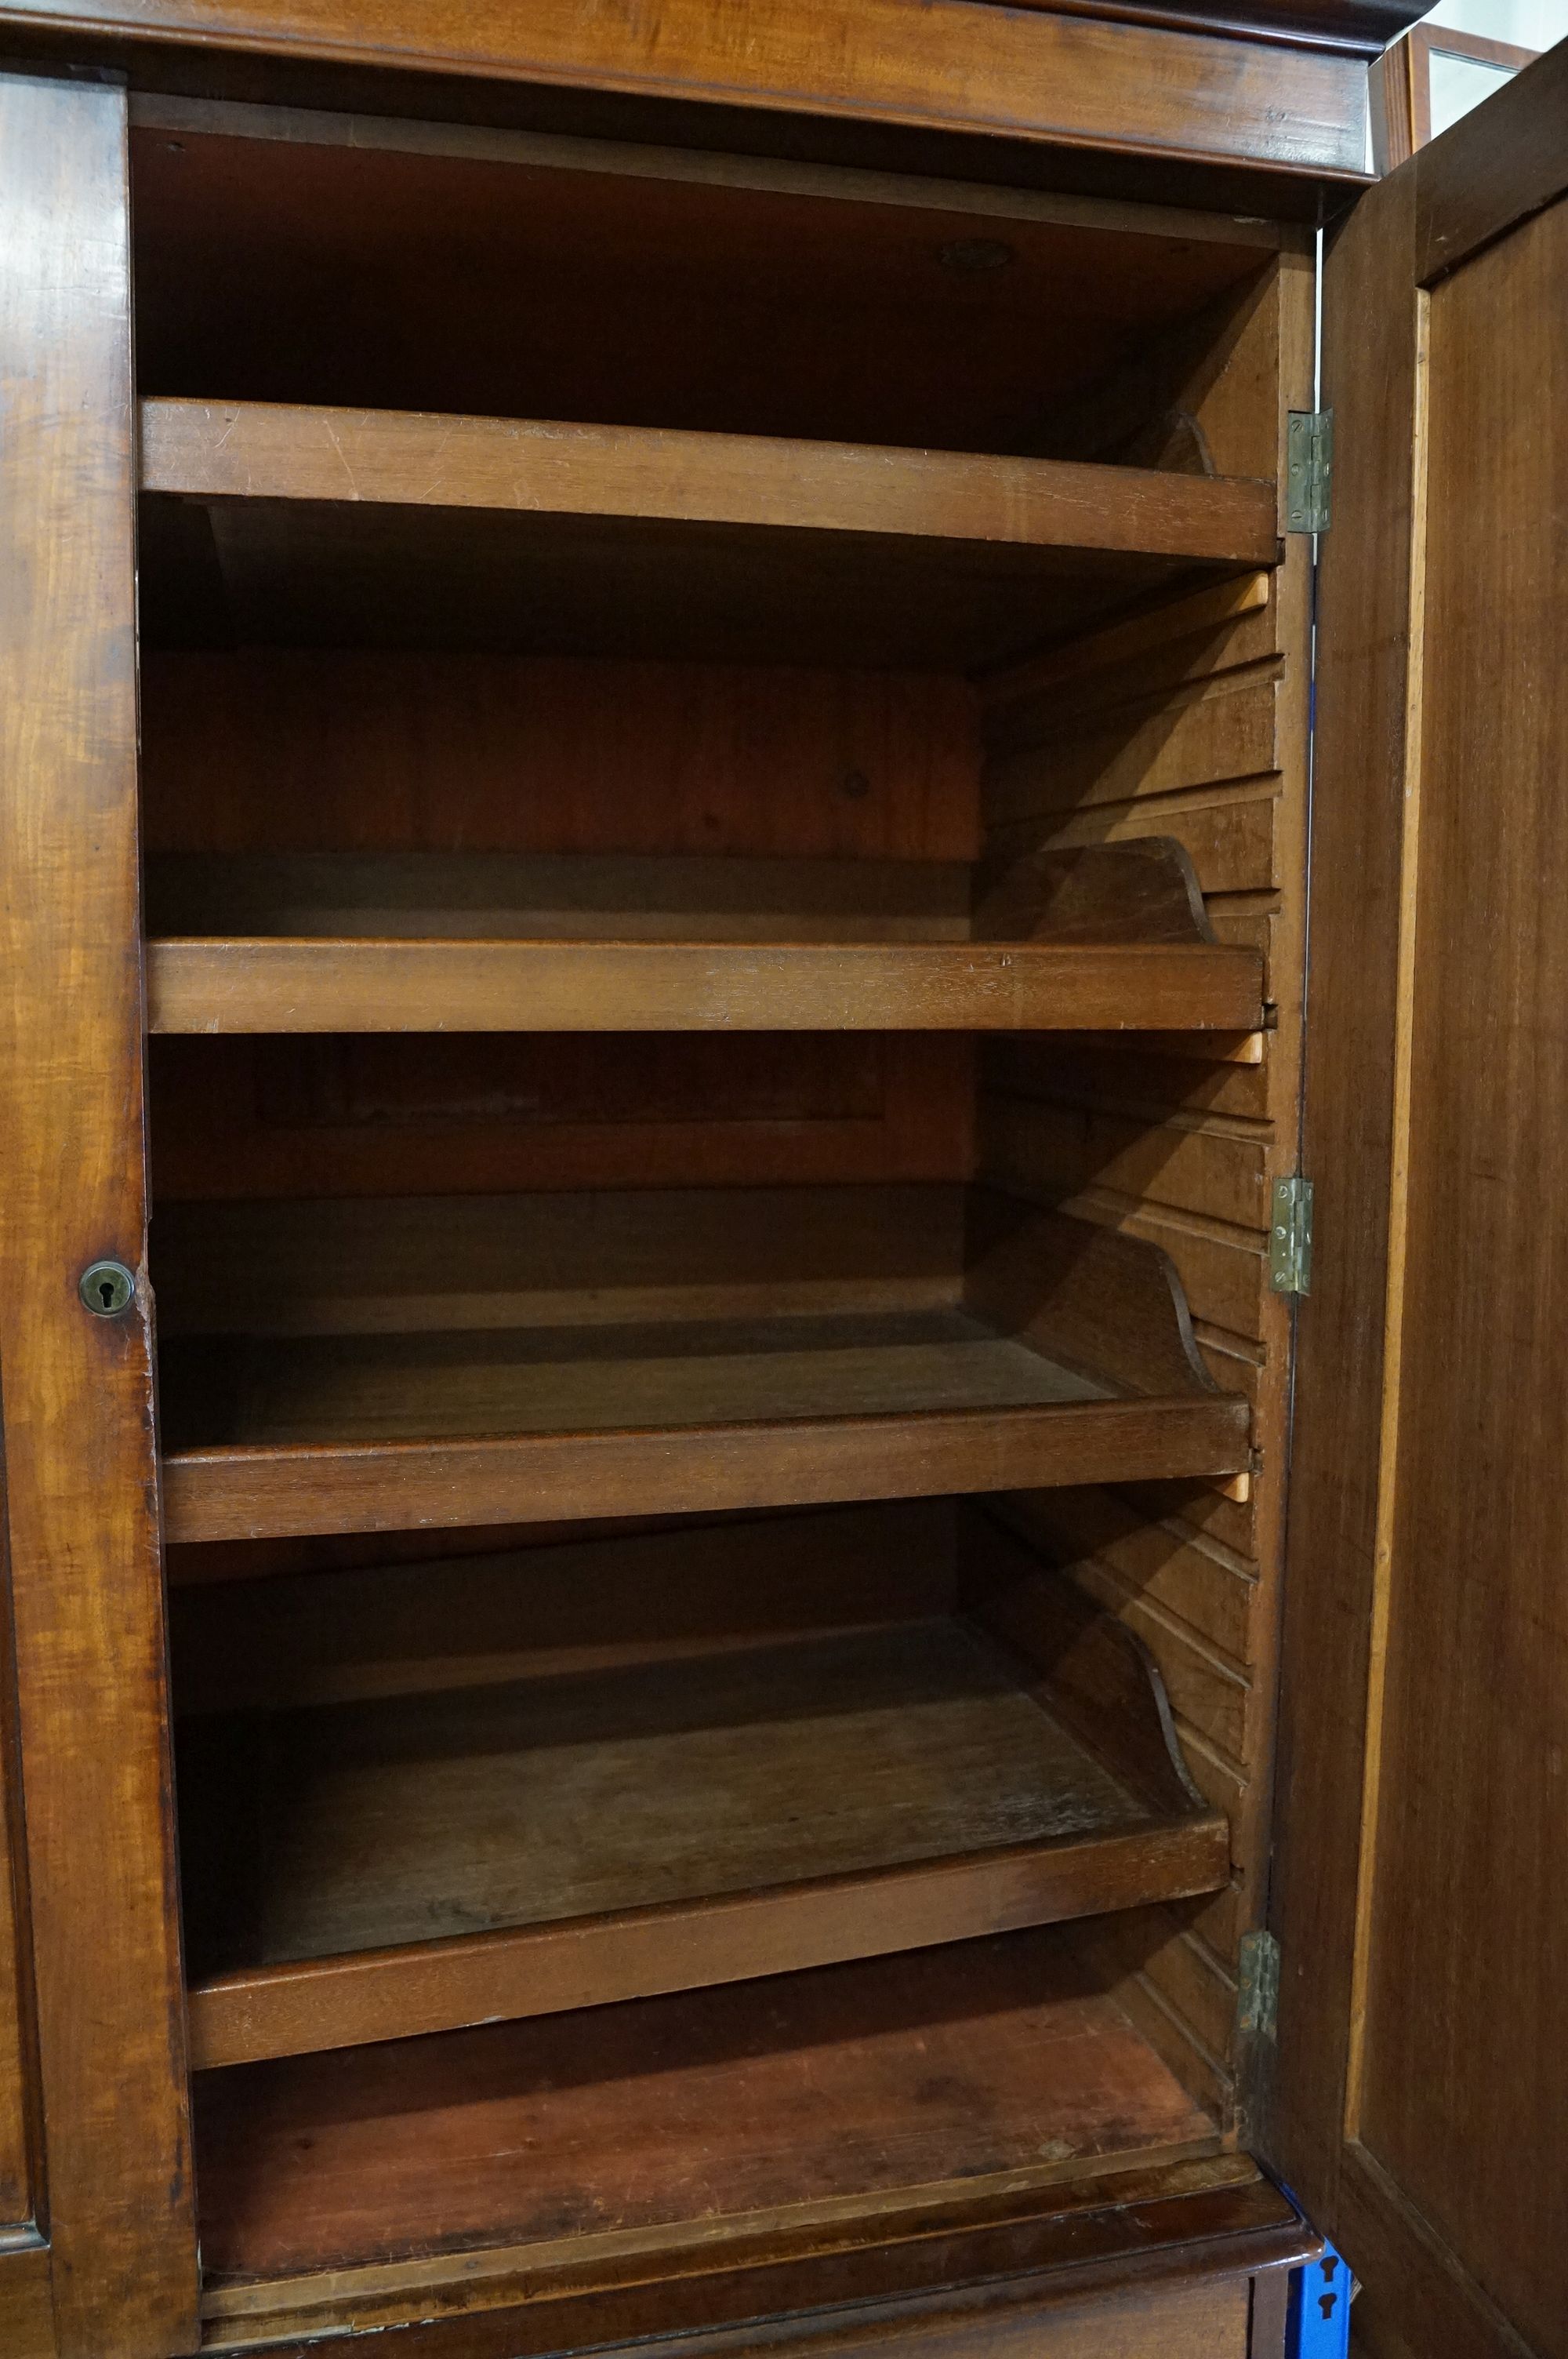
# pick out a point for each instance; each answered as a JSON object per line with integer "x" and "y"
{"x": 712, "y": 761}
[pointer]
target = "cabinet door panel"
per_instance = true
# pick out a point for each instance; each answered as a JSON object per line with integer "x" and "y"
{"x": 1421, "y": 2078}
{"x": 76, "y": 1389}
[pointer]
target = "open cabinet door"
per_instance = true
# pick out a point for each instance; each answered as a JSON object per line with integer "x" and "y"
{"x": 1420, "y": 2098}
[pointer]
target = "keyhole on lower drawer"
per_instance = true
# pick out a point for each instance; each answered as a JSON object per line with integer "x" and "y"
{"x": 107, "y": 1288}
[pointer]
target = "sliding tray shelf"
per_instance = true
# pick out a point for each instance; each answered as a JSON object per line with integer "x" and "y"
{"x": 391, "y": 528}
{"x": 376, "y": 1365}
{"x": 1111, "y": 937}
{"x": 575, "y": 1823}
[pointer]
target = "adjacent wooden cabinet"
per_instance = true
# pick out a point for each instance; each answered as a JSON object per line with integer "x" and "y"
{"x": 705, "y": 1640}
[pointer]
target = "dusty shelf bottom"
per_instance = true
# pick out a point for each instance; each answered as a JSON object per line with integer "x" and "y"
{"x": 869, "y": 2092}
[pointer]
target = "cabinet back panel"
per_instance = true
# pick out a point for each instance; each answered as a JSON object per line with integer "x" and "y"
{"x": 265, "y": 750}
{"x": 490, "y": 1112}
{"x": 342, "y": 751}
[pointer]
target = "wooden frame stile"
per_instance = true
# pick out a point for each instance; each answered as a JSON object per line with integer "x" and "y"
{"x": 80, "y": 1477}
{"x": 1418, "y": 2078}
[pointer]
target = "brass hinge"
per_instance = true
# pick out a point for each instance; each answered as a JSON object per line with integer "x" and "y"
{"x": 1309, "y": 467}
{"x": 1290, "y": 1236}
{"x": 1257, "y": 1990}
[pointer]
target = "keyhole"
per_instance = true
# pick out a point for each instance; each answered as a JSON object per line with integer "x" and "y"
{"x": 107, "y": 1288}
{"x": 1328, "y": 2303}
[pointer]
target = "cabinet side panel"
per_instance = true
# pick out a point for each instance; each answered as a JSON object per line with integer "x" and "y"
{"x": 1201, "y": 737}
{"x": 78, "y": 1390}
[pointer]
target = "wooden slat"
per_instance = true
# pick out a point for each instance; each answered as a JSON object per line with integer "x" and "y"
{"x": 1179, "y": 1164}
{"x": 223, "y": 1493}
{"x": 1198, "y": 739}
{"x": 1201, "y": 615}
{"x": 80, "y": 1495}
{"x": 411, "y": 1318}
{"x": 1251, "y": 643}
{"x": 276, "y": 451}
{"x": 1154, "y": 1078}
{"x": 259, "y": 986}
{"x": 1149, "y": 1558}
{"x": 1223, "y": 1274}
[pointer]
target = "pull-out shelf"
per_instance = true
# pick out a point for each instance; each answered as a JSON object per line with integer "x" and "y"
{"x": 692, "y": 1809}
{"x": 383, "y": 527}
{"x": 384, "y": 1365}
{"x": 1107, "y": 938}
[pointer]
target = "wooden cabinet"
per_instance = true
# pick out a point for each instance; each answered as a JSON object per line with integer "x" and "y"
{"x": 693, "y": 1619}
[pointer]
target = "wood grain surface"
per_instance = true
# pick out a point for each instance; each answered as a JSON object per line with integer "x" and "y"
{"x": 251, "y": 984}
{"x": 274, "y": 451}
{"x": 259, "y": 1492}
{"x": 1045, "y": 76}
{"x": 26, "y": 2297}
{"x": 1466, "y": 1804}
{"x": 81, "y": 1476}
